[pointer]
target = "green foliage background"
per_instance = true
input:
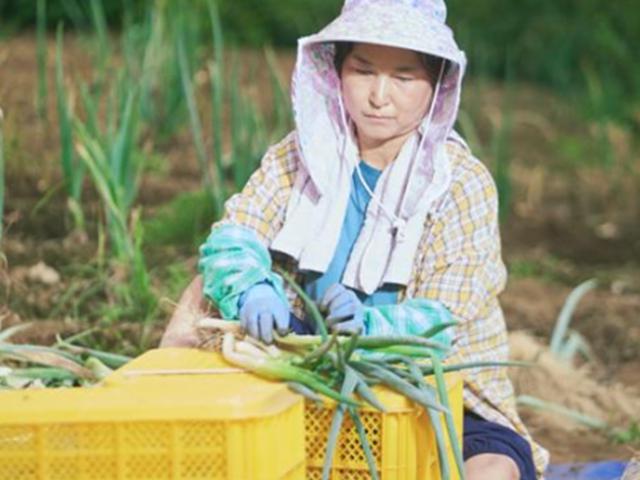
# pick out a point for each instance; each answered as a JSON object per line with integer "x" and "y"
{"x": 574, "y": 46}
{"x": 554, "y": 42}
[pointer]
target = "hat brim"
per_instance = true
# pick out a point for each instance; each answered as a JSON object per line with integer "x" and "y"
{"x": 401, "y": 27}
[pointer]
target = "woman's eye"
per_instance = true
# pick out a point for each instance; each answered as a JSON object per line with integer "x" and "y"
{"x": 404, "y": 79}
{"x": 363, "y": 72}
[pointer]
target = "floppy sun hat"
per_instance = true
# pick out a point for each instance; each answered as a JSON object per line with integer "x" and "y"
{"x": 328, "y": 152}
{"x": 412, "y": 24}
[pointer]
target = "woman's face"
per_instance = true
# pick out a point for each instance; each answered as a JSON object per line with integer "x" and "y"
{"x": 386, "y": 92}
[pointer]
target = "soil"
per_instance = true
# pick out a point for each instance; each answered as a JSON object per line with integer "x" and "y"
{"x": 565, "y": 225}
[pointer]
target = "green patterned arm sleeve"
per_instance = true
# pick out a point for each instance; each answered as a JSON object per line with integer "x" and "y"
{"x": 411, "y": 317}
{"x": 232, "y": 259}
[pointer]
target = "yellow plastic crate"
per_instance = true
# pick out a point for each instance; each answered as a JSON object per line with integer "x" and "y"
{"x": 401, "y": 440}
{"x": 140, "y": 426}
{"x": 186, "y": 414}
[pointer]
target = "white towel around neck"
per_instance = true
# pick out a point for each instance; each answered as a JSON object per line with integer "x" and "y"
{"x": 385, "y": 249}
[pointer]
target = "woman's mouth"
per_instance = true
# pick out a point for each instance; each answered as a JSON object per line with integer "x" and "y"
{"x": 378, "y": 118}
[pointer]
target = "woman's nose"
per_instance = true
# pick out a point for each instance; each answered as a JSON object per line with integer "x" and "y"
{"x": 379, "y": 94}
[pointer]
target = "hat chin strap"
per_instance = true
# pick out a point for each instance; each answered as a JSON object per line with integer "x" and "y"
{"x": 398, "y": 224}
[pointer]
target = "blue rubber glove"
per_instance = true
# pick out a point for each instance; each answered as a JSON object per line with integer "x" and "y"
{"x": 261, "y": 309}
{"x": 346, "y": 313}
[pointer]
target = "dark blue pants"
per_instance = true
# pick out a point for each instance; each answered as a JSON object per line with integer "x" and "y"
{"x": 483, "y": 436}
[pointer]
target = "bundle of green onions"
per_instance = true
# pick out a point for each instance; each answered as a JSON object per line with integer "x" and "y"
{"x": 64, "y": 364}
{"x": 338, "y": 367}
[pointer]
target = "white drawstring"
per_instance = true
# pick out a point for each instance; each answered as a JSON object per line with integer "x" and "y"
{"x": 397, "y": 223}
{"x": 345, "y": 126}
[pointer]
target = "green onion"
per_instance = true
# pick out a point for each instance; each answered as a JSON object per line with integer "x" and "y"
{"x": 444, "y": 399}
{"x": 305, "y": 391}
{"x": 99, "y": 369}
{"x": 46, "y": 374}
{"x": 278, "y": 370}
{"x": 338, "y": 366}
{"x": 436, "y": 424}
{"x": 429, "y": 370}
{"x": 310, "y": 305}
{"x": 438, "y": 328}
{"x": 398, "y": 384}
{"x": 564, "y": 318}
{"x": 581, "y": 418}
{"x": 364, "y": 442}
{"x": 10, "y": 331}
{"x": 321, "y": 350}
{"x": 393, "y": 341}
{"x": 365, "y": 392}
{"x": 44, "y": 356}
{"x": 348, "y": 386}
{"x": 112, "y": 360}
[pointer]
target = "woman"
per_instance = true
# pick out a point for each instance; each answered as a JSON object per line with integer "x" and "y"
{"x": 380, "y": 210}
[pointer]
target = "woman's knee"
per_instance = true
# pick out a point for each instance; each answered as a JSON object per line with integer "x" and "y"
{"x": 492, "y": 466}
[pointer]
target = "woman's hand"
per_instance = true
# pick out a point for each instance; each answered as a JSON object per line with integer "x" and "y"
{"x": 262, "y": 310}
{"x": 346, "y": 313}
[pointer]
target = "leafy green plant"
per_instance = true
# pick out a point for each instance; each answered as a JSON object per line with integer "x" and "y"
{"x": 102, "y": 38}
{"x": 281, "y": 118}
{"x": 574, "y": 415}
{"x": 500, "y": 146}
{"x": 598, "y": 108}
{"x": 115, "y": 172}
{"x": 152, "y": 39}
{"x": 565, "y": 343}
{"x": 249, "y": 136}
{"x": 1, "y": 173}
{"x": 212, "y": 184}
{"x": 629, "y": 436}
{"x": 248, "y": 133}
{"x": 183, "y": 221}
{"x": 72, "y": 168}
{"x": 41, "y": 53}
{"x": 115, "y": 166}
{"x": 496, "y": 149}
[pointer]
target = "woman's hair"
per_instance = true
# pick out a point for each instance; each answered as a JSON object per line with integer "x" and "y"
{"x": 431, "y": 63}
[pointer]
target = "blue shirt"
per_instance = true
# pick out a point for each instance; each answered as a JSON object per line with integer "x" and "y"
{"x": 316, "y": 284}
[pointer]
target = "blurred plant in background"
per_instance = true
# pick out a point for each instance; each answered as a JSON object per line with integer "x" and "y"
{"x": 72, "y": 169}
{"x": 246, "y": 129}
{"x": 146, "y": 80}
{"x": 1, "y": 176}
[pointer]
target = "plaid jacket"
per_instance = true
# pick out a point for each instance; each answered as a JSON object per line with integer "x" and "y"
{"x": 458, "y": 264}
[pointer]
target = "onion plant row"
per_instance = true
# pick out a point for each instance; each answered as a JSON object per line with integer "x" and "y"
{"x": 161, "y": 63}
{"x": 142, "y": 97}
